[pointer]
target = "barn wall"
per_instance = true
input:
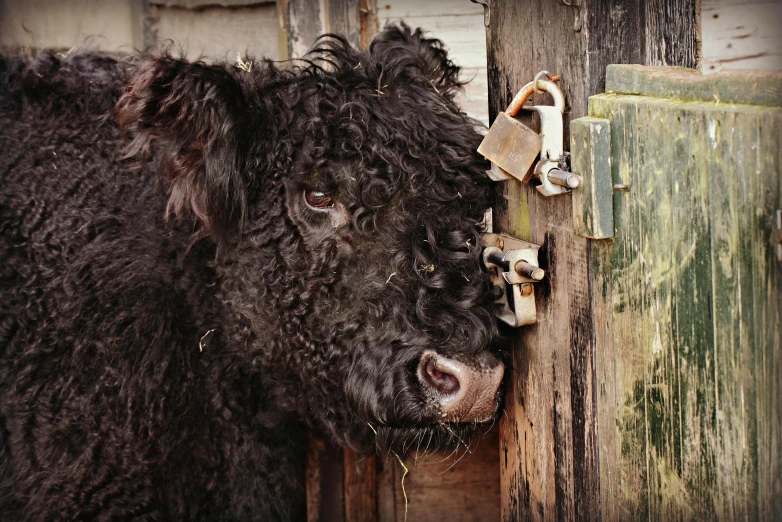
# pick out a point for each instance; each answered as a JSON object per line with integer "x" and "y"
{"x": 102, "y": 24}
{"x": 219, "y": 32}
{"x": 215, "y": 31}
{"x": 741, "y": 34}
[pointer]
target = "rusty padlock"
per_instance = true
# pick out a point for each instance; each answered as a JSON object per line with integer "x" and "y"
{"x": 510, "y": 145}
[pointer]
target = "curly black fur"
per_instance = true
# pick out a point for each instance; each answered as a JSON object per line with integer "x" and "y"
{"x": 166, "y": 369}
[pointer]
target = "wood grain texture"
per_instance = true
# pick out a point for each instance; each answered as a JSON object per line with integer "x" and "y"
{"x": 344, "y": 18}
{"x": 324, "y": 482}
{"x": 360, "y": 487}
{"x": 687, "y": 308}
{"x": 746, "y": 87}
{"x": 548, "y": 442}
{"x": 306, "y": 21}
{"x": 593, "y": 201}
{"x": 546, "y": 447}
{"x": 219, "y": 33}
{"x": 461, "y": 487}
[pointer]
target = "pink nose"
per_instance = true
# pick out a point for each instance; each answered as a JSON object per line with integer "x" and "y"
{"x": 465, "y": 393}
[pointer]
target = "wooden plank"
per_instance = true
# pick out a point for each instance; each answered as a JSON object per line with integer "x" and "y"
{"x": 593, "y": 204}
{"x": 386, "y": 489}
{"x": 306, "y": 21}
{"x": 671, "y": 32}
{"x": 324, "y": 482}
{"x": 196, "y": 4}
{"x": 360, "y": 487}
{"x": 548, "y": 437}
{"x": 404, "y": 9}
{"x": 461, "y": 487}
{"x": 344, "y": 18}
{"x": 68, "y": 23}
{"x": 748, "y": 87}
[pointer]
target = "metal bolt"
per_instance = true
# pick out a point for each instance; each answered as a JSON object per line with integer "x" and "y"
{"x": 564, "y": 178}
{"x": 527, "y": 270}
{"x": 494, "y": 256}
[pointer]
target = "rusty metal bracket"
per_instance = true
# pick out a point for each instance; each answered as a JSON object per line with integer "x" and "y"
{"x": 513, "y": 265}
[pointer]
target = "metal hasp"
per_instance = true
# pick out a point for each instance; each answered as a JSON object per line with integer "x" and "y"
{"x": 513, "y": 265}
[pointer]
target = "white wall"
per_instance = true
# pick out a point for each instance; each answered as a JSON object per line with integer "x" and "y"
{"x": 741, "y": 34}
{"x": 459, "y": 24}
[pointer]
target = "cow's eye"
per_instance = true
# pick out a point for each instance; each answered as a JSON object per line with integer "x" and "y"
{"x": 317, "y": 200}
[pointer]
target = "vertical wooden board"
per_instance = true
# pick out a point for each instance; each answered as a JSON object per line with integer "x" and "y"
{"x": 386, "y": 489}
{"x": 767, "y": 284}
{"x": 672, "y": 32}
{"x": 344, "y": 18}
{"x": 649, "y": 299}
{"x": 360, "y": 483}
{"x": 463, "y": 486}
{"x": 590, "y": 149}
{"x": 307, "y": 20}
{"x": 690, "y": 334}
{"x": 542, "y": 433}
{"x": 729, "y": 431}
{"x": 740, "y": 254}
{"x": 324, "y": 482}
{"x": 620, "y": 361}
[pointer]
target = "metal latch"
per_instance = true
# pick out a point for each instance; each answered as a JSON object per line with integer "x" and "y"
{"x": 513, "y": 265}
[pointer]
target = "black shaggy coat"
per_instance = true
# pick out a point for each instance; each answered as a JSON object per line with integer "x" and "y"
{"x": 174, "y": 314}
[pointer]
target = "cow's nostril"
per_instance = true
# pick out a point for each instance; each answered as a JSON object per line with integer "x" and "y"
{"x": 464, "y": 392}
{"x": 440, "y": 380}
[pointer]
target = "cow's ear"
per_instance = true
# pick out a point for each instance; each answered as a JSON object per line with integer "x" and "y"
{"x": 187, "y": 117}
{"x": 401, "y": 51}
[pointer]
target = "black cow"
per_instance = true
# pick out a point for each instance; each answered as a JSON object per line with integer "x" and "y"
{"x": 202, "y": 262}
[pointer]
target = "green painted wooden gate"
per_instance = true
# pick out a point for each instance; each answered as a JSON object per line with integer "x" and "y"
{"x": 686, "y": 297}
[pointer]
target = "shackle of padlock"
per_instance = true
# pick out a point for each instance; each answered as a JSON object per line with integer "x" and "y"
{"x": 552, "y": 135}
{"x": 511, "y": 146}
{"x": 538, "y": 85}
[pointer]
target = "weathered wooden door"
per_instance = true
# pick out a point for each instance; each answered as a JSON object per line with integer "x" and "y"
{"x": 649, "y": 389}
{"x": 687, "y": 297}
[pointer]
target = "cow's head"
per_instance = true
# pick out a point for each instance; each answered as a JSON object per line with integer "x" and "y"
{"x": 347, "y": 198}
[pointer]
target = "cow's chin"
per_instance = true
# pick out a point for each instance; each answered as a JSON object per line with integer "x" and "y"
{"x": 441, "y": 437}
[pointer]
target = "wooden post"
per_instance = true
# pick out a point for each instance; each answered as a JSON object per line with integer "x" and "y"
{"x": 306, "y": 20}
{"x": 360, "y": 487}
{"x": 548, "y": 447}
